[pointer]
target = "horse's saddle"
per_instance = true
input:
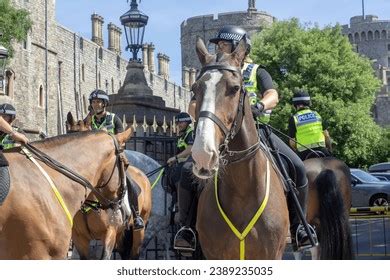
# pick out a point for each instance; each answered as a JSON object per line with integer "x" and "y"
{"x": 4, "y": 183}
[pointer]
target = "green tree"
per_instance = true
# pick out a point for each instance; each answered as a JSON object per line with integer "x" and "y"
{"x": 342, "y": 85}
{"x": 14, "y": 24}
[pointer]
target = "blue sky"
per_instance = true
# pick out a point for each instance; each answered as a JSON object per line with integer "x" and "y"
{"x": 165, "y": 16}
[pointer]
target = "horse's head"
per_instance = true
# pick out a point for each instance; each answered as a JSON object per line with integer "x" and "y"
{"x": 75, "y": 126}
{"x": 219, "y": 98}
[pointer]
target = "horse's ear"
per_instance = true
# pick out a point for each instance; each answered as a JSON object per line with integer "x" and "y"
{"x": 124, "y": 136}
{"x": 88, "y": 121}
{"x": 204, "y": 56}
{"x": 69, "y": 119}
{"x": 239, "y": 52}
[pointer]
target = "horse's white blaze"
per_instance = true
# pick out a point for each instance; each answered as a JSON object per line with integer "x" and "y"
{"x": 204, "y": 147}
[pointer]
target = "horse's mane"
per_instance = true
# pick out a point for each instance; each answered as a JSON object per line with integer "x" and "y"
{"x": 64, "y": 138}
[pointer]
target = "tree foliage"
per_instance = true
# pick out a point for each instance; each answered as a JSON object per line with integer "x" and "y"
{"x": 342, "y": 85}
{"x": 14, "y": 24}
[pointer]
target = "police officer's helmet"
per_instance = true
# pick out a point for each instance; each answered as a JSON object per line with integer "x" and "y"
{"x": 301, "y": 98}
{"x": 234, "y": 35}
{"x": 99, "y": 94}
{"x": 8, "y": 109}
{"x": 183, "y": 117}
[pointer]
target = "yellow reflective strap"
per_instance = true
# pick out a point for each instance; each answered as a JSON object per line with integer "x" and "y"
{"x": 52, "y": 185}
{"x": 242, "y": 236}
{"x": 158, "y": 178}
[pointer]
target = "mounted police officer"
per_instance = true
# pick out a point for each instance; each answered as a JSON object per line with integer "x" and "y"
{"x": 187, "y": 191}
{"x": 8, "y": 112}
{"x": 110, "y": 122}
{"x": 306, "y": 127}
{"x": 263, "y": 98}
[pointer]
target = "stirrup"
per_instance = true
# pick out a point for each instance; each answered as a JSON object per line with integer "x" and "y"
{"x": 183, "y": 229}
{"x": 141, "y": 226}
{"x": 312, "y": 233}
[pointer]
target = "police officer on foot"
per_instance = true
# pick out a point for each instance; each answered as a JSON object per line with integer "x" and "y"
{"x": 263, "y": 97}
{"x": 104, "y": 120}
{"x": 306, "y": 127}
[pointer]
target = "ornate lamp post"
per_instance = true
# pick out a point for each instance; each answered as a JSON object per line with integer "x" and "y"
{"x": 134, "y": 22}
{"x": 3, "y": 61}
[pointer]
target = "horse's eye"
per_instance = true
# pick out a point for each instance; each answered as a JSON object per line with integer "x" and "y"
{"x": 236, "y": 88}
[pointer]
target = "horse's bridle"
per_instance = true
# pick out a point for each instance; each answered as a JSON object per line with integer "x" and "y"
{"x": 227, "y": 155}
{"x": 106, "y": 203}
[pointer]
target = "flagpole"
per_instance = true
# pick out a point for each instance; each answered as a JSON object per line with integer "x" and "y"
{"x": 363, "y": 9}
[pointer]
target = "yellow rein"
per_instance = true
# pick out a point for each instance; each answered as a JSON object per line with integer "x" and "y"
{"x": 158, "y": 178}
{"x": 52, "y": 185}
{"x": 239, "y": 235}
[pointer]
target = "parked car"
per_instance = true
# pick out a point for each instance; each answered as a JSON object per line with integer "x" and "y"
{"x": 380, "y": 167}
{"x": 383, "y": 176}
{"x": 368, "y": 190}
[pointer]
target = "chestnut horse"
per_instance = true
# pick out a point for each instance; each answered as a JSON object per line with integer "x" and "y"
{"x": 33, "y": 224}
{"x": 242, "y": 211}
{"x": 328, "y": 204}
{"x": 95, "y": 224}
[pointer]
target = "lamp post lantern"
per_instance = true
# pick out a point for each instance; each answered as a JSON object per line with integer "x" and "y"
{"x": 134, "y": 22}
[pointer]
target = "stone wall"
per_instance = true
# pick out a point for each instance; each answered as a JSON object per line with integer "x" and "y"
{"x": 76, "y": 66}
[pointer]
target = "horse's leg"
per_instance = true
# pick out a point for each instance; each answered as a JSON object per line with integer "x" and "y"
{"x": 109, "y": 243}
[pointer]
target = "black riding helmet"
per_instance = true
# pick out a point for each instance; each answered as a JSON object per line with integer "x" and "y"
{"x": 8, "y": 109}
{"x": 234, "y": 35}
{"x": 301, "y": 98}
{"x": 99, "y": 94}
{"x": 183, "y": 117}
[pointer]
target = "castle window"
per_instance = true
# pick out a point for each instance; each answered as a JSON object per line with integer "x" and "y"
{"x": 370, "y": 36}
{"x": 81, "y": 43}
{"x": 112, "y": 85}
{"x": 363, "y": 36}
{"x": 100, "y": 80}
{"x": 40, "y": 97}
{"x": 118, "y": 62}
{"x": 100, "y": 53}
{"x": 357, "y": 37}
{"x": 350, "y": 38}
{"x": 83, "y": 72}
{"x": 384, "y": 34}
{"x": 25, "y": 44}
{"x": 376, "y": 34}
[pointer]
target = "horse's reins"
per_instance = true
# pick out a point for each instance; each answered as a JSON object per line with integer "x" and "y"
{"x": 80, "y": 179}
{"x": 237, "y": 123}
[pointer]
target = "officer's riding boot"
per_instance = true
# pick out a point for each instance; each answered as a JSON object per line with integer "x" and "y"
{"x": 299, "y": 237}
{"x": 133, "y": 201}
{"x": 185, "y": 237}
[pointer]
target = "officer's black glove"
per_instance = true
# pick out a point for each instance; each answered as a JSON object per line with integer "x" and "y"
{"x": 257, "y": 109}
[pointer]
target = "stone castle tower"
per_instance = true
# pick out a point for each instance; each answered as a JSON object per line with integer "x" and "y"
{"x": 371, "y": 38}
{"x": 207, "y": 26}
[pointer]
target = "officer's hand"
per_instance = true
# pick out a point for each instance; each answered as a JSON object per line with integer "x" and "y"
{"x": 257, "y": 109}
{"x": 171, "y": 161}
{"x": 19, "y": 137}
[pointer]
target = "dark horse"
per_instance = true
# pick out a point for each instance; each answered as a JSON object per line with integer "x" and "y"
{"x": 33, "y": 225}
{"x": 242, "y": 211}
{"x": 329, "y": 201}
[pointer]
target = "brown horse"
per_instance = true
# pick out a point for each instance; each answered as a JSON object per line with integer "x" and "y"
{"x": 95, "y": 224}
{"x": 246, "y": 201}
{"x": 33, "y": 225}
{"x": 329, "y": 201}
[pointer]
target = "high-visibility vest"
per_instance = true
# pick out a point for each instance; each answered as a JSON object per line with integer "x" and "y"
{"x": 249, "y": 72}
{"x": 181, "y": 143}
{"x": 6, "y": 142}
{"x": 108, "y": 123}
{"x": 310, "y": 133}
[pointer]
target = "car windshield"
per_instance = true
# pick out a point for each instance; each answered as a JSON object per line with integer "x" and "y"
{"x": 364, "y": 176}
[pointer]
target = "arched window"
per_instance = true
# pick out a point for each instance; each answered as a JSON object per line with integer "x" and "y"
{"x": 357, "y": 37}
{"x": 369, "y": 35}
{"x": 363, "y": 36}
{"x": 40, "y": 97}
{"x": 81, "y": 43}
{"x": 118, "y": 62}
{"x": 376, "y": 35}
{"x": 9, "y": 84}
{"x": 100, "y": 53}
{"x": 384, "y": 34}
{"x": 350, "y": 38}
